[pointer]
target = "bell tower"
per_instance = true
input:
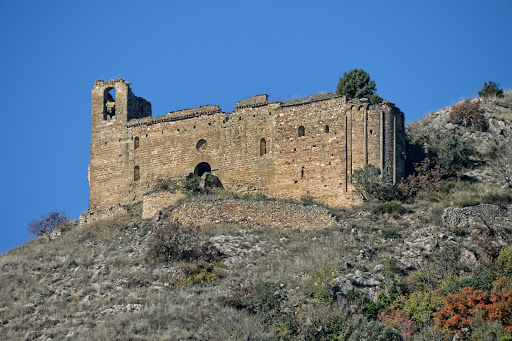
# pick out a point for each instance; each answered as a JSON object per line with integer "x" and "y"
{"x": 110, "y": 170}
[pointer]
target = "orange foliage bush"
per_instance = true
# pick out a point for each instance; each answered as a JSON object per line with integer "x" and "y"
{"x": 398, "y": 320}
{"x": 460, "y": 309}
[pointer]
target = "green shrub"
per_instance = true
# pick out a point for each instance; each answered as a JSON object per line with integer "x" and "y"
{"x": 491, "y": 89}
{"x": 197, "y": 272}
{"x": 483, "y": 330}
{"x": 498, "y": 198}
{"x": 390, "y": 233}
{"x": 321, "y": 285}
{"x": 390, "y": 207}
{"x": 322, "y": 322}
{"x": 396, "y": 288}
{"x": 356, "y": 84}
{"x": 370, "y": 184}
{"x": 445, "y": 261}
{"x": 467, "y": 202}
{"x": 285, "y": 327}
{"x": 480, "y": 281}
{"x": 334, "y": 327}
{"x": 363, "y": 330}
{"x": 390, "y": 265}
{"x": 191, "y": 185}
{"x": 451, "y": 152}
{"x": 504, "y": 262}
{"x": 468, "y": 114}
{"x": 421, "y": 306}
{"x": 267, "y": 299}
{"x": 358, "y": 299}
{"x": 264, "y": 299}
{"x": 375, "y": 99}
{"x": 376, "y": 307}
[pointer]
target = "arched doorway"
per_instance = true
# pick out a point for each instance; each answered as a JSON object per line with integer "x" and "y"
{"x": 202, "y": 168}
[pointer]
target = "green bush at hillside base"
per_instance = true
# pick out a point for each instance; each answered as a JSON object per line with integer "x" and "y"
{"x": 389, "y": 207}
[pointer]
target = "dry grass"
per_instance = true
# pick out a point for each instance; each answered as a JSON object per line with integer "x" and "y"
{"x": 92, "y": 283}
{"x": 77, "y": 284}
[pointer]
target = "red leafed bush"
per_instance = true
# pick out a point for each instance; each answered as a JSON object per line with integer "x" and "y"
{"x": 240, "y": 296}
{"x": 175, "y": 242}
{"x": 46, "y": 224}
{"x": 461, "y": 308}
{"x": 428, "y": 176}
{"x": 484, "y": 239}
{"x": 468, "y": 114}
{"x": 398, "y": 320}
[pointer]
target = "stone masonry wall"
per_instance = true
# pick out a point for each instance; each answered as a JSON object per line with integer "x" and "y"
{"x": 254, "y": 212}
{"x": 254, "y": 149}
{"x": 154, "y": 202}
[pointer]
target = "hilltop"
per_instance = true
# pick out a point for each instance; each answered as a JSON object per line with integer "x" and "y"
{"x": 318, "y": 275}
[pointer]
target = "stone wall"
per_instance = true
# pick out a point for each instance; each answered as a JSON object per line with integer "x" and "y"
{"x": 305, "y": 148}
{"x": 276, "y": 214}
{"x": 154, "y": 202}
{"x": 92, "y": 216}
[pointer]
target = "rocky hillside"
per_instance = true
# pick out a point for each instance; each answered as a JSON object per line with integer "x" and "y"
{"x": 491, "y": 143}
{"x": 378, "y": 271}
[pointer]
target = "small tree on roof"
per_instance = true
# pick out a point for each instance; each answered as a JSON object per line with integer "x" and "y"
{"x": 356, "y": 84}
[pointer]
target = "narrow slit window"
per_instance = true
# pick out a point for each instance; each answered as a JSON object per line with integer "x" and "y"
{"x": 136, "y": 173}
{"x": 302, "y": 173}
{"x": 136, "y": 142}
{"x": 326, "y": 129}
{"x": 263, "y": 147}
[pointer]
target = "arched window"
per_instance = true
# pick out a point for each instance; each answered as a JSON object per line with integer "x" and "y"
{"x": 201, "y": 145}
{"x": 109, "y": 101}
{"x": 326, "y": 129}
{"x": 301, "y": 131}
{"x": 136, "y": 142}
{"x": 263, "y": 147}
{"x": 136, "y": 173}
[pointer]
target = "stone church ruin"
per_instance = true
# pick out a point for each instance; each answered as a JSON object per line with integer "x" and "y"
{"x": 306, "y": 148}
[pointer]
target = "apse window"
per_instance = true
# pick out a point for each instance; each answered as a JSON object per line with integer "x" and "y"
{"x": 301, "y": 131}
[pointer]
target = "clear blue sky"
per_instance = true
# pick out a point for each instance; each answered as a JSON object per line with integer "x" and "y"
{"x": 423, "y": 55}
